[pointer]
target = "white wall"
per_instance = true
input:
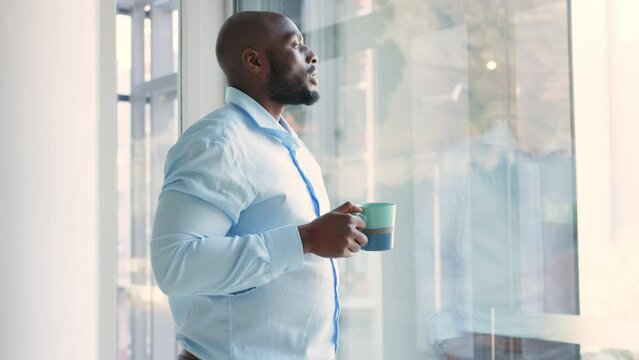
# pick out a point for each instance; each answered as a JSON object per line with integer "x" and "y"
{"x": 605, "y": 51}
{"x": 49, "y": 185}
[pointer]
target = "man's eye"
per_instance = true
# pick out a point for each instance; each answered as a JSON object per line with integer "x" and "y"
{"x": 296, "y": 45}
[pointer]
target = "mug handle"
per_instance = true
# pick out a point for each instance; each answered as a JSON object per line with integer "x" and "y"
{"x": 359, "y": 215}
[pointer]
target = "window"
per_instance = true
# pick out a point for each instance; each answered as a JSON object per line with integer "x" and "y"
{"x": 147, "y": 51}
{"x": 503, "y": 129}
{"x": 462, "y": 113}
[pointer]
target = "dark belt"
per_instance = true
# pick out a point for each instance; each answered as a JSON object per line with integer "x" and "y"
{"x": 186, "y": 355}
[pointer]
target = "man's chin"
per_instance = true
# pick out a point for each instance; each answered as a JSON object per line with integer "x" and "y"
{"x": 309, "y": 97}
{"x": 313, "y": 98}
{"x": 288, "y": 96}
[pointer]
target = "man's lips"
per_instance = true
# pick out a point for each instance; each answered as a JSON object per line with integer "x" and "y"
{"x": 313, "y": 75}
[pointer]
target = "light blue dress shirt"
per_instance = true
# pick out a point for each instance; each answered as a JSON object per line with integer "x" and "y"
{"x": 226, "y": 248}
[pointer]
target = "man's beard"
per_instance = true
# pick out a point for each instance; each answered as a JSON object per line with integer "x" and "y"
{"x": 289, "y": 90}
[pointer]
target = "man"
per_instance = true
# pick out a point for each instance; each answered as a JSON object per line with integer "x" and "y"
{"x": 238, "y": 241}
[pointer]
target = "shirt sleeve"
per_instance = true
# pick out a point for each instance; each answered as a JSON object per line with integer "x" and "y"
{"x": 209, "y": 169}
{"x": 190, "y": 252}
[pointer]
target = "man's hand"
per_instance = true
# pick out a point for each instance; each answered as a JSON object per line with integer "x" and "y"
{"x": 334, "y": 234}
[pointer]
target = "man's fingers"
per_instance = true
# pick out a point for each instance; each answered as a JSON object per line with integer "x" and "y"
{"x": 359, "y": 222}
{"x": 360, "y": 239}
{"x": 344, "y": 207}
{"x": 354, "y": 246}
{"x": 348, "y": 207}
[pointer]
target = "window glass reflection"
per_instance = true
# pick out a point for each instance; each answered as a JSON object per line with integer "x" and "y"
{"x": 505, "y": 243}
{"x": 460, "y": 113}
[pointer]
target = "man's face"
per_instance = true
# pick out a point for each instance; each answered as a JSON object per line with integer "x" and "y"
{"x": 292, "y": 79}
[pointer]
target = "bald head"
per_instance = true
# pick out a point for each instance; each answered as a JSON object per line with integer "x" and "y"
{"x": 244, "y": 30}
{"x": 264, "y": 55}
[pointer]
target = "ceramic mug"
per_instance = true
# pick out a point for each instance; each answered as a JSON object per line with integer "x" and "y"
{"x": 380, "y": 225}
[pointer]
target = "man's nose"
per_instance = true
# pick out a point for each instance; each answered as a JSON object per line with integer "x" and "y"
{"x": 311, "y": 57}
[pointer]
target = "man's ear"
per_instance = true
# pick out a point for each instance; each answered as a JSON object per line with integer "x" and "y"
{"x": 252, "y": 60}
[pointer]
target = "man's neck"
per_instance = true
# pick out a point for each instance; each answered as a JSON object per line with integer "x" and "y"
{"x": 275, "y": 109}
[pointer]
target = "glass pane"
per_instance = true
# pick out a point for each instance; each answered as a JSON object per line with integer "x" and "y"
{"x": 147, "y": 49}
{"x": 123, "y": 53}
{"x": 461, "y": 113}
{"x": 164, "y": 133}
{"x": 176, "y": 38}
{"x": 124, "y": 229}
{"x": 147, "y": 126}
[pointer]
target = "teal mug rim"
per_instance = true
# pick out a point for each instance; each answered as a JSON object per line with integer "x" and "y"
{"x": 377, "y": 204}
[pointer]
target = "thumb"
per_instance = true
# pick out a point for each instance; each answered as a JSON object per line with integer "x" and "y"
{"x": 347, "y": 208}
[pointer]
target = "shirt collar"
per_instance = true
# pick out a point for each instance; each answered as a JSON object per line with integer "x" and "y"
{"x": 263, "y": 119}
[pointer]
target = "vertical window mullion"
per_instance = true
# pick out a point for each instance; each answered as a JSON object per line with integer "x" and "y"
{"x": 139, "y": 254}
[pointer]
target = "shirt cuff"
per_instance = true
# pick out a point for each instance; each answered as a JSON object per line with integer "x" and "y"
{"x": 285, "y": 251}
